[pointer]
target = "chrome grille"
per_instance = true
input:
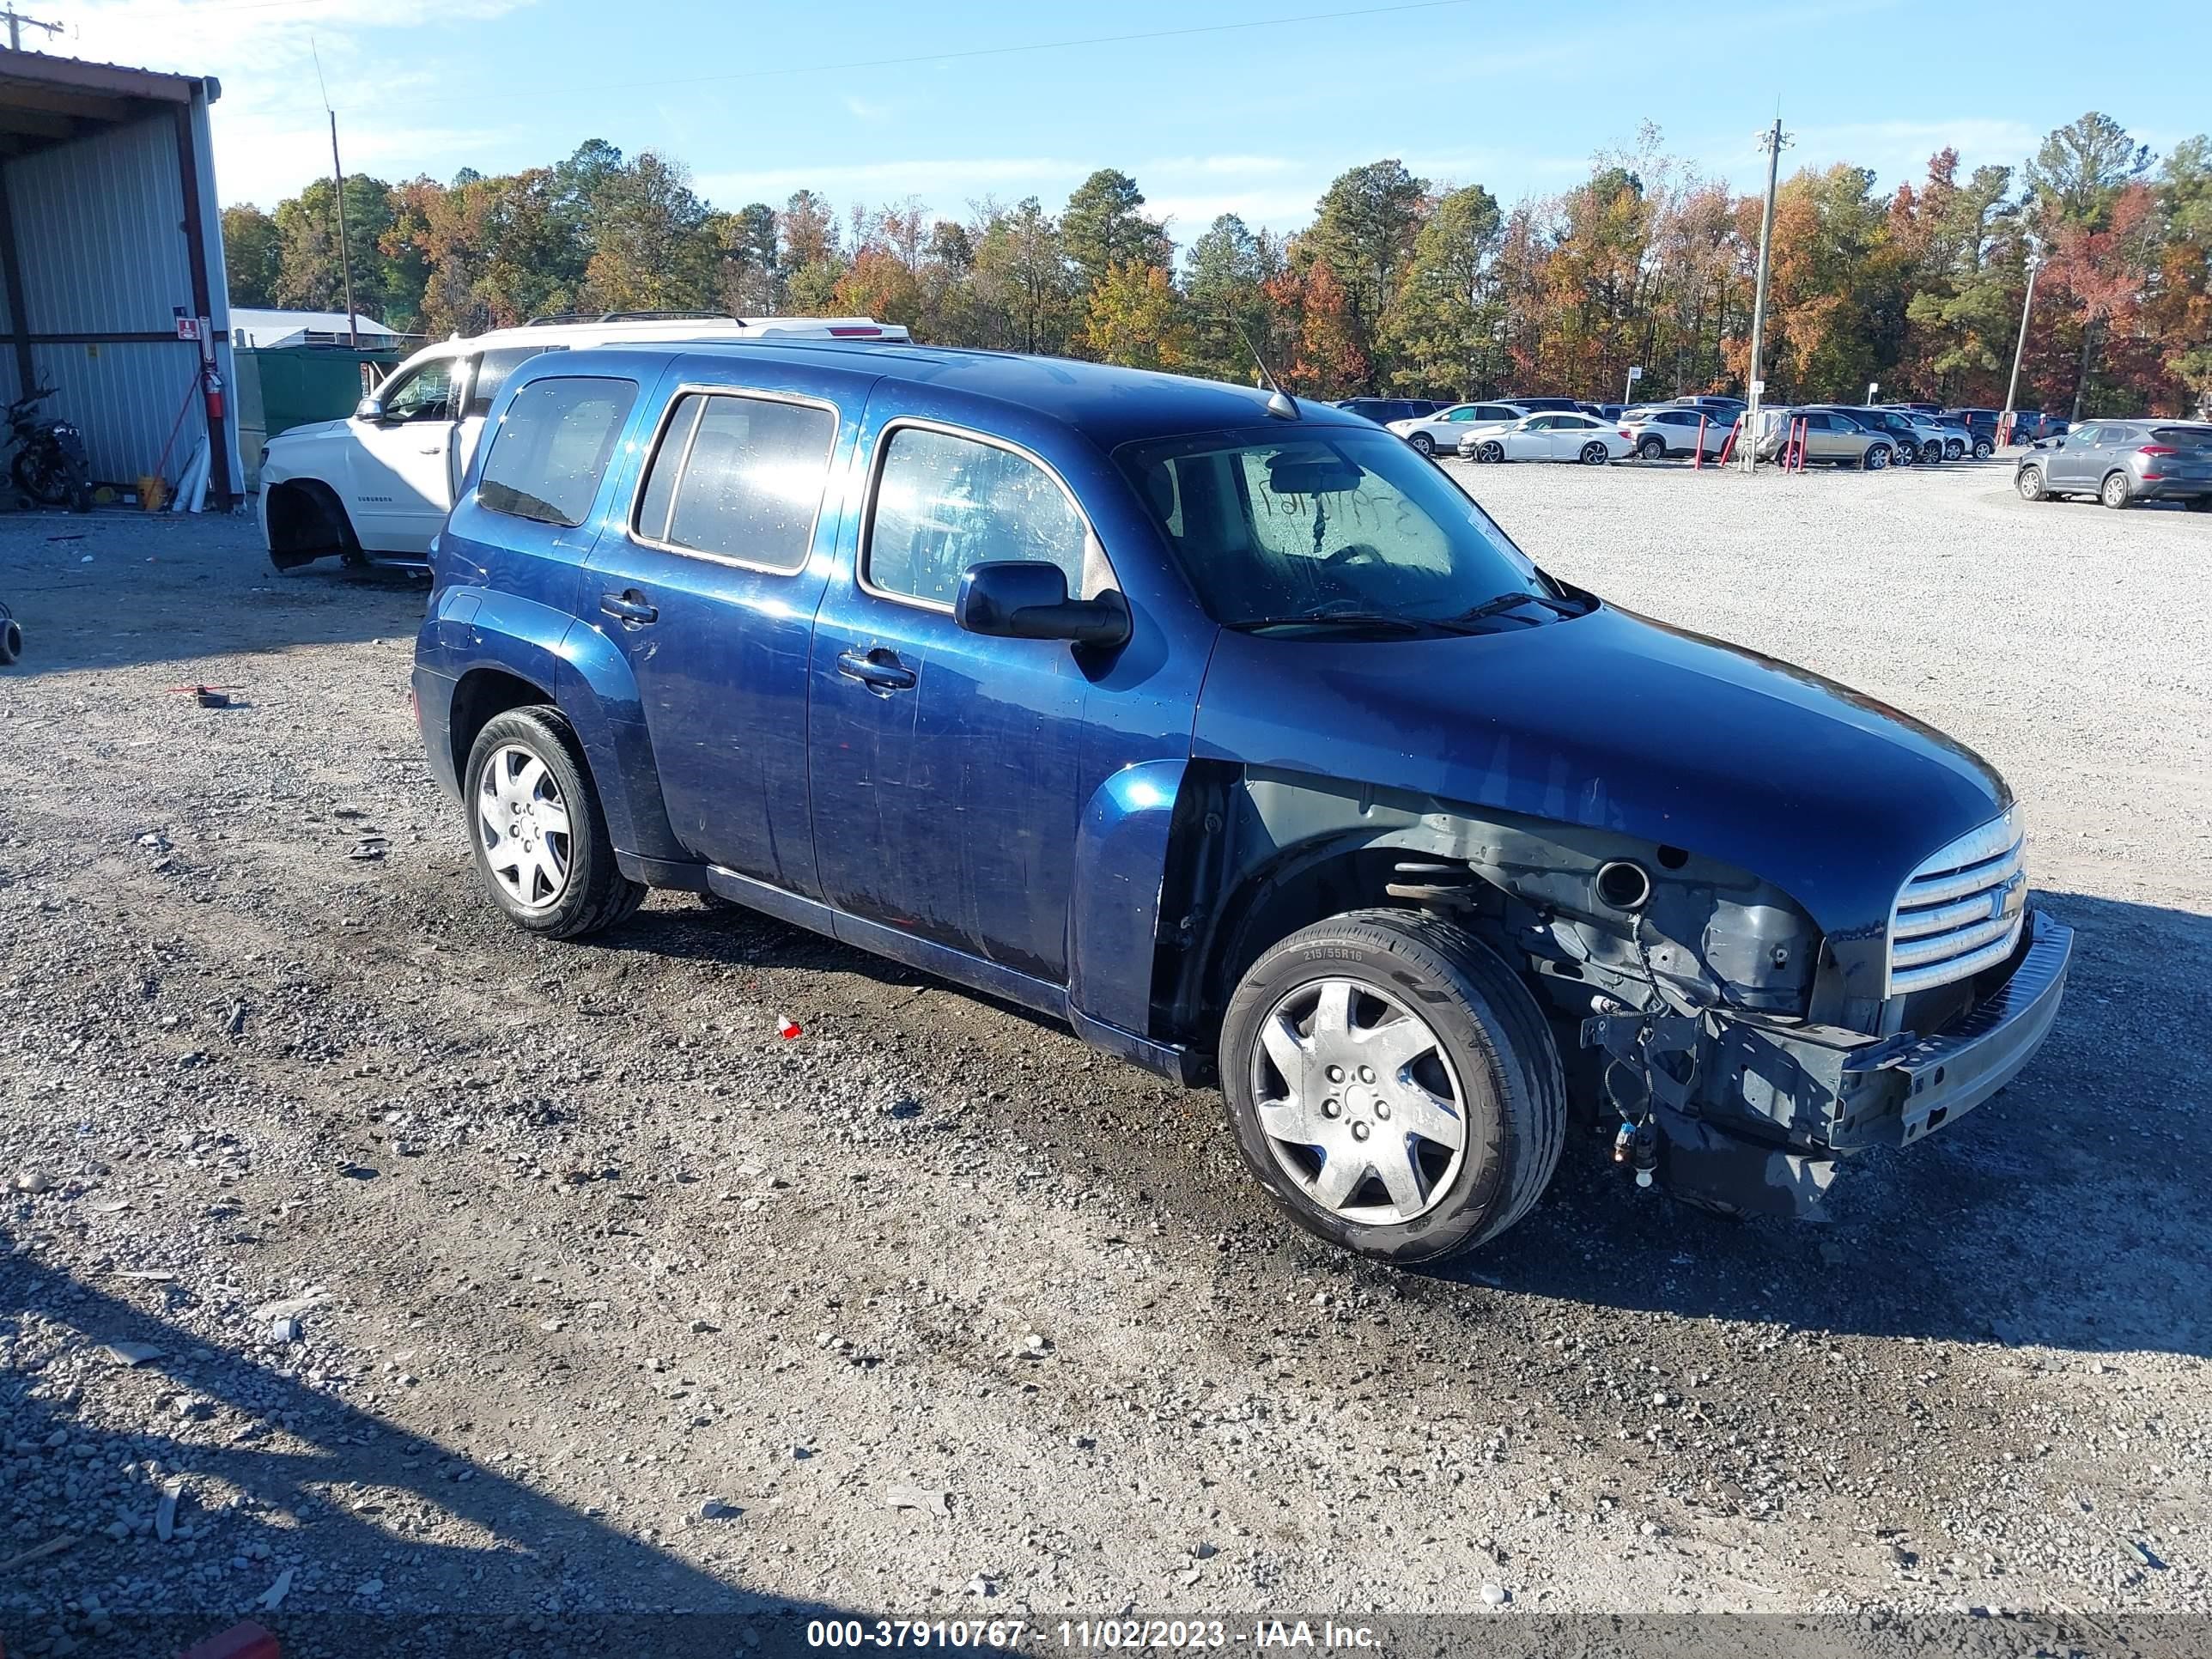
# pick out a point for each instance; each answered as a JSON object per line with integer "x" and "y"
{"x": 1961, "y": 911}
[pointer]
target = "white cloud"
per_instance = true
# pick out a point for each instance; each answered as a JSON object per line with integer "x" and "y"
{"x": 861, "y": 109}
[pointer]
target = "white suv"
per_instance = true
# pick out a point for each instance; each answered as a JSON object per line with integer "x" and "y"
{"x": 1444, "y": 429}
{"x": 377, "y": 485}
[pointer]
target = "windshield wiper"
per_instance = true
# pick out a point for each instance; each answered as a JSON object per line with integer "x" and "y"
{"x": 1336, "y": 619}
{"x": 1513, "y": 602}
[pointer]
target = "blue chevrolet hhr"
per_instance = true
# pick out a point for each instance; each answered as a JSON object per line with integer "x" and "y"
{"x": 1231, "y": 730}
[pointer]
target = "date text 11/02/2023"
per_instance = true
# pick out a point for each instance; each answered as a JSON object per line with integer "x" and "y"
{"x": 1092, "y": 1635}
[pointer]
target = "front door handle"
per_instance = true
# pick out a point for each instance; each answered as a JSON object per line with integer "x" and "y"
{"x": 877, "y": 670}
{"x": 630, "y": 607}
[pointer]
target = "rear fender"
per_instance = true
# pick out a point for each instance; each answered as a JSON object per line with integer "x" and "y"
{"x": 591, "y": 683}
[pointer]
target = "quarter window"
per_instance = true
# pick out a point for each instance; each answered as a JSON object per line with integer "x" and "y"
{"x": 552, "y": 448}
{"x": 945, "y": 502}
{"x": 738, "y": 478}
{"x": 492, "y": 370}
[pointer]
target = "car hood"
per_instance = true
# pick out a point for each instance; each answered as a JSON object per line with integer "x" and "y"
{"x": 1613, "y": 722}
{"x": 292, "y": 434}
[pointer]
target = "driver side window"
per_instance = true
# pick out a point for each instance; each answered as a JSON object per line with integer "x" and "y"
{"x": 945, "y": 502}
{"x": 426, "y": 394}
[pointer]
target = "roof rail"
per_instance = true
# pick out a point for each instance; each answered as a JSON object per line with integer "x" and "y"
{"x": 633, "y": 317}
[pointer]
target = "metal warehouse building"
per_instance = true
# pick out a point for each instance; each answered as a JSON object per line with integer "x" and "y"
{"x": 110, "y": 233}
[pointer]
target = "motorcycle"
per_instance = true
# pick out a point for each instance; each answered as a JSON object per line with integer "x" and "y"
{"x": 49, "y": 466}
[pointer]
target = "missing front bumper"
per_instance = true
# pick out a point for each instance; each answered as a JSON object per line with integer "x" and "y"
{"x": 1753, "y": 1116}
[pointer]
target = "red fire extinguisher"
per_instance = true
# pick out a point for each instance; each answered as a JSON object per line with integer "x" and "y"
{"x": 211, "y": 384}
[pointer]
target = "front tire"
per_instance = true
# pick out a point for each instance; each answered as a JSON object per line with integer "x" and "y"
{"x": 1426, "y": 444}
{"x": 1393, "y": 1084}
{"x": 1492, "y": 451}
{"x": 535, "y": 823}
{"x": 1595, "y": 453}
{"x": 1983, "y": 449}
{"x": 2116, "y": 492}
{"x": 2029, "y": 482}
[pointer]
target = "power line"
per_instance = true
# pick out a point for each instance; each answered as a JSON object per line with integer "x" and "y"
{"x": 15, "y": 22}
{"x": 537, "y": 91}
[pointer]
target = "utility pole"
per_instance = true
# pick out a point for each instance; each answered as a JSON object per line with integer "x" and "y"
{"x": 2004, "y": 425}
{"x": 1772, "y": 142}
{"x": 345, "y": 251}
{"x": 15, "y": 22}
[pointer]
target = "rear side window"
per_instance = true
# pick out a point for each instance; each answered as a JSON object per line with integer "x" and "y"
{"x": 552, "y": 448}
{"x": 945, "y": 502}
{"x": 492, "y": 370}
{"x": 2183, "y": 437}
{"x": 738, "y": 478}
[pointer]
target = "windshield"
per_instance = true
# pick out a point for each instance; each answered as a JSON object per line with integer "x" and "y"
{"x": 1283, "y": 524}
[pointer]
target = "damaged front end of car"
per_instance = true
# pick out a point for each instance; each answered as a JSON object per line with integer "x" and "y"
{"x": 1744, "y": 1049}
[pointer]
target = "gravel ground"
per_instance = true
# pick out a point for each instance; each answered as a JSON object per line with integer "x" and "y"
{"x": 542, "y": 1282}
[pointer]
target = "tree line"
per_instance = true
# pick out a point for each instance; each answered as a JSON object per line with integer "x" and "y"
{"x": 1400, "y": 285}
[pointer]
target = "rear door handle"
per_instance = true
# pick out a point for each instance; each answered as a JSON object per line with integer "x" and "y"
{"x": 878, "y": 669}
{"x": 630, "y": 607}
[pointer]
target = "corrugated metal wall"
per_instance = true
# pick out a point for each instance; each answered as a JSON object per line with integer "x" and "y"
{"x": 100, "y": 239}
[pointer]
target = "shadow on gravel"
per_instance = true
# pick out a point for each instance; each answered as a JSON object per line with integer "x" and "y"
{"x": 115, "y": 589}
{"x": 2068, "y": 1213}
{"x": 256, "y": 1450}
{"x": 2065, "y": 1213}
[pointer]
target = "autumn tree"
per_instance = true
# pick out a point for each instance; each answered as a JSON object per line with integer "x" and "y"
{"x": 1443, "y": 322}
{"x": 254, "y": 254}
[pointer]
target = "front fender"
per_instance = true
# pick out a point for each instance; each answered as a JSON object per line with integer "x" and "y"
{"x": 1114, "y": 913}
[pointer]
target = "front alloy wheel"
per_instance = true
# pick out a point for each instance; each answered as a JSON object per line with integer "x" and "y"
{"x": 2029, "y": 483}
{"x": 1491, "y": 451}
{"x": 1983, "y": 449}
{"x": 1426, "y": 444}
{"x": 1393, "y": 1084}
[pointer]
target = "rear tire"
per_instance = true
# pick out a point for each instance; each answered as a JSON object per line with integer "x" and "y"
{"x": 1595, "y": 453}
{"x": 2116, "y": 492}
{"x": 1877, "y": 457}
{"x": 1652, "y": 449}
{"x": 2200, "y": 504}
{"x": 1456, "y": 1041}
{"x": 539, "y": 833}
{"x": 2029, "y": 483}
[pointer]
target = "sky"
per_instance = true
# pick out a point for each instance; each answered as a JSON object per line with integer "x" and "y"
{"x": 1214, "y": 106}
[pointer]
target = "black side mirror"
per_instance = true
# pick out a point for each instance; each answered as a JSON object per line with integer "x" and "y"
{"x": 1027, "y": 599}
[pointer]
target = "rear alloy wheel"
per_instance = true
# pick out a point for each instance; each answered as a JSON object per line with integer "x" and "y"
{"x": 1877, "y": 457}
{"x": 1490, "y": 451}
{"x": 1652, "y": 449}
{"x": 2117, "y": 492}
{"x": 1426, "y": 444}
{"x": 1595, "y": 453}
{"x": 2029, "y": 483}
{"x": 1393, "y": 1084}
{"x": 540, "y": 838}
